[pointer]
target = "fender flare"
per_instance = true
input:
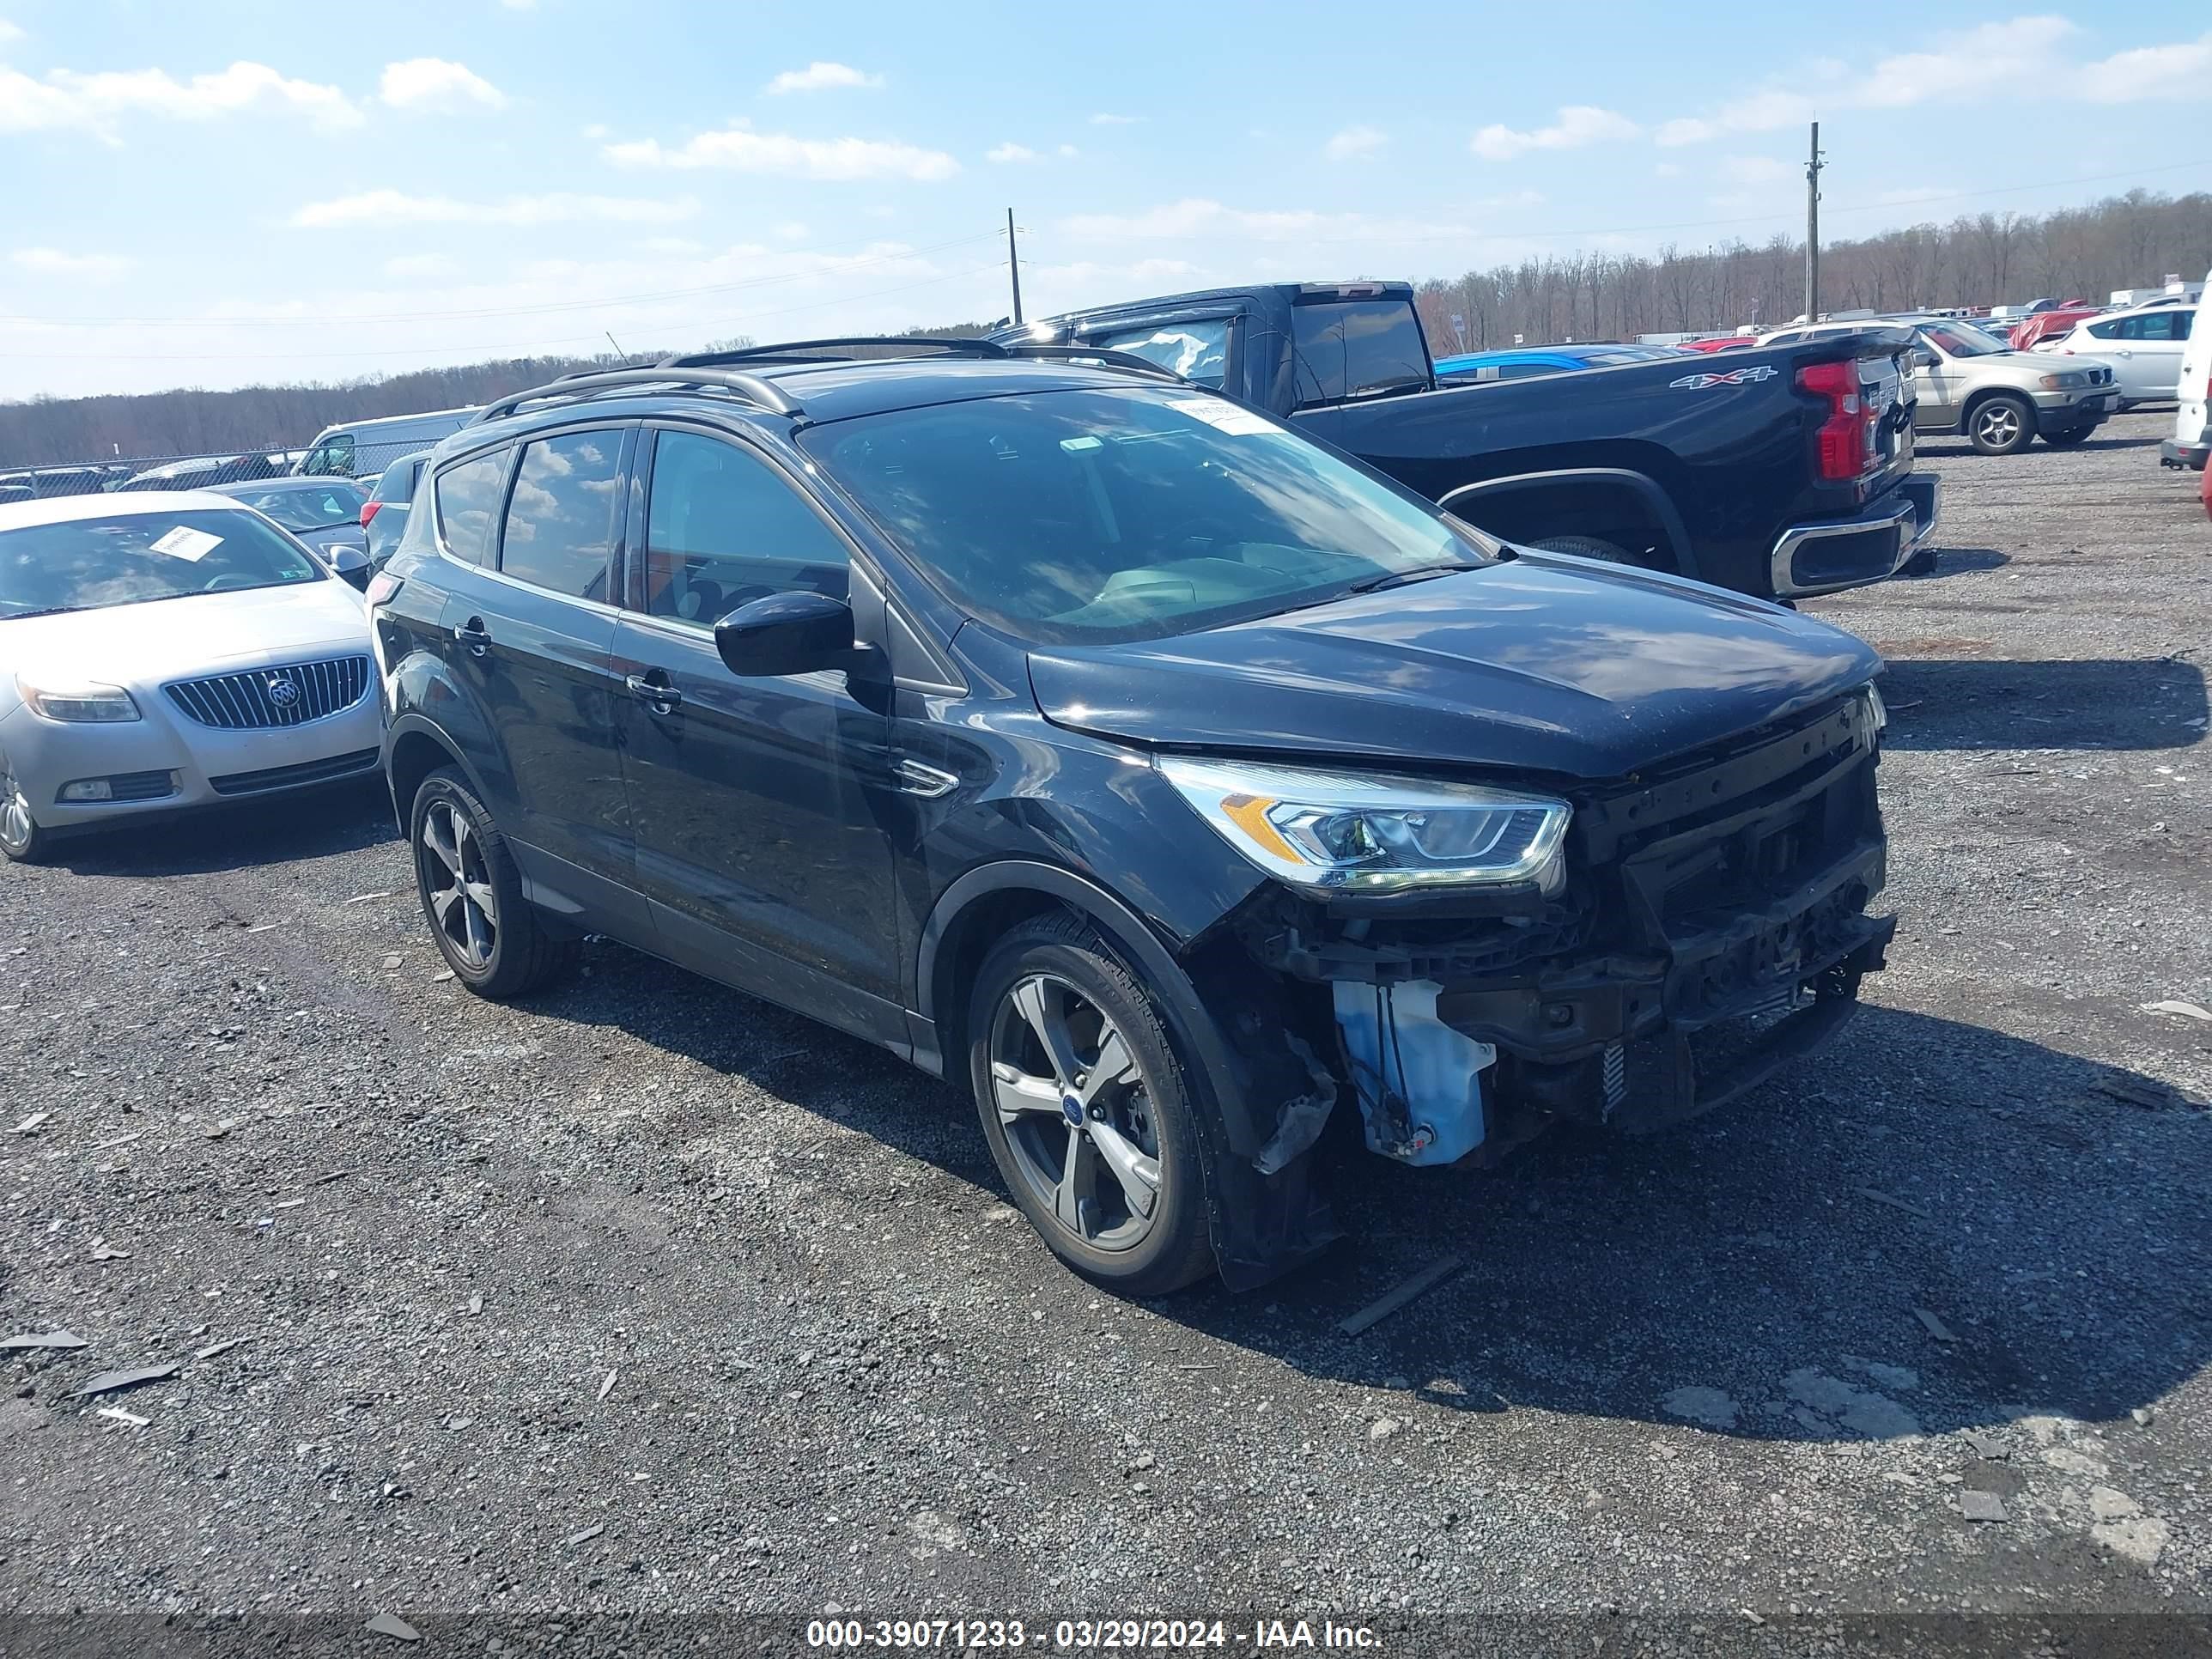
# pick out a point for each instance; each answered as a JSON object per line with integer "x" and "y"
{"x": 412, "y": 723}
{"x": 1642, "y": 485}
{"x": 1186, "y": 1014}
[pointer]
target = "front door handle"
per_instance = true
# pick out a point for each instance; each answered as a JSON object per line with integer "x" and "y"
{"x": 473, "y": 634}
{"x": 654, "y": 691}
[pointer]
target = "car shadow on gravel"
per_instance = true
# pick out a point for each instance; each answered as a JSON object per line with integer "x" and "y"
{"x": 1962, "y": 703}
{"x": 342, "y": 819}
{"x": 1764, "y": 1269}
{"x": 1935, "y": 1226}
{"x": 1961, "y": 561}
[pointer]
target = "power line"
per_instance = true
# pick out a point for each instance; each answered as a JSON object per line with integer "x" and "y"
{"x": 322, "y": 320}
{"x": 692, "y": 327}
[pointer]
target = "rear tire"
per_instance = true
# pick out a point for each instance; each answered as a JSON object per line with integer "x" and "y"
{"x": 2001, "y": 424}
{"x": 1105, "y": 1162}
{"x": 1921, "y": 563}
{"x": 489, "y": 934}
{"x": 1590, "y": 547}
{"x": 22, "y": 839}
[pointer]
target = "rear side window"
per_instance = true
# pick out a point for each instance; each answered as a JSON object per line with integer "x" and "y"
{"x": 1356, "y": 350}
{"x": 468, "y": 506}
{"x": 2119, "y": 328}
{"x": 1196, "y": 351}
{"x": 723, "y": 529}
{"x": 560, "y": 532}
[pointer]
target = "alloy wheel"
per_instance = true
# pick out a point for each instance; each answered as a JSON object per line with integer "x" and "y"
{"x": 1077, "y": 1112}
{"x": 458, "y": 884}
{"x": 17, "y": 827}
{"x": 1997, "y": 425}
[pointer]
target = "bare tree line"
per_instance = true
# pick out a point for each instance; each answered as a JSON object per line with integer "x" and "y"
{"x": 2123, "y": 241}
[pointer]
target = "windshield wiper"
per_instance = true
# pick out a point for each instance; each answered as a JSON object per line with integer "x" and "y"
{"x": 50, "y": 610}
{"x": 1420, "y": 572}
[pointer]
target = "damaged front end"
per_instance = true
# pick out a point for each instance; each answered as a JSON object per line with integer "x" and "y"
{"x": 1705, "y": 922}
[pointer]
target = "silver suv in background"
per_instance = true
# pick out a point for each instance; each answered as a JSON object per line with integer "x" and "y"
{"x": 384, "y": 514}
{"x": 1999, "y": 400}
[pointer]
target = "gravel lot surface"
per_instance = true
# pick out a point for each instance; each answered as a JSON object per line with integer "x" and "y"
{"x": 648, "y": 1297}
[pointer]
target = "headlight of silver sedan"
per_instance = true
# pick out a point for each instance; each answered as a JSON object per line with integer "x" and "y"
{"x": 1374, "y": 832}
{"x": 79, "y": 702}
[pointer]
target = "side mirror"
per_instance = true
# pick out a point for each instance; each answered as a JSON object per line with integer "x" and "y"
{"x": 786, "y": 634}
{"x": 1923, "y": 358}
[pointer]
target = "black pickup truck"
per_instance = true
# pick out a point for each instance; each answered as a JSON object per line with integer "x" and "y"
{"x": 1779, "y": 472}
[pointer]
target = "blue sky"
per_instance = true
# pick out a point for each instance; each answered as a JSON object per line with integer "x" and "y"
{"x": 231, "y": 192}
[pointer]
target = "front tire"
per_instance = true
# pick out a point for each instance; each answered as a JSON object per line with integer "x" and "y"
{"x": 488, "y": 932}
{"x": 23, "y": 840}
{"x": 1086, "y": 1109}
{"x": 2001, "y": 425}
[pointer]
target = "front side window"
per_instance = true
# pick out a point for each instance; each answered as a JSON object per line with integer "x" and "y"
{"x": 723, "y": 528}
{"x": 1095, "y": 515}
{"x": 331, "y": 455}
{"x": 87, "y": 564}
{"x": 468, "y": 498}
{"x": 1196, "y": 351}
{"x": 1361, "y": 349}
{"x": 560, "y": 531}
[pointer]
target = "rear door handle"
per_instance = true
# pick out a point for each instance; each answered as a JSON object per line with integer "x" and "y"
{"x": 473, "y": 634}
{"x": 654, "y": 691}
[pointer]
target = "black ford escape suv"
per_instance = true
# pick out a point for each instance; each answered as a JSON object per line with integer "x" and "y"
{"x": 1172, "y": 780}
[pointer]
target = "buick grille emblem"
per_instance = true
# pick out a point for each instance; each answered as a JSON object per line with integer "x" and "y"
{"x": 283, "y": 692}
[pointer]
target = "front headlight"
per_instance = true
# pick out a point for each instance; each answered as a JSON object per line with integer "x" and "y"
{"x": 1373, "y": 832}
{"x": 1878, "y": 709}
{"x": 78, "y": 700}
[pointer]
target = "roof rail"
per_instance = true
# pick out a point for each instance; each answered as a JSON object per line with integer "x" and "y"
{"x": 823, "y": 351}
{"x": 747, "y": 388}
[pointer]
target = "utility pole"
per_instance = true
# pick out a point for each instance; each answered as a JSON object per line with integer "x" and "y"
{"x": 1014, "y": 266}
{"x": 1813, "y": 230}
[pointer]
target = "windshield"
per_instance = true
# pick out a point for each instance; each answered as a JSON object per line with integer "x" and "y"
{"x": 85, "y": 564}
{"x": 322, "y": 508}
{"x": 1959, "y": 340}
{"x": 1083, "y": 516}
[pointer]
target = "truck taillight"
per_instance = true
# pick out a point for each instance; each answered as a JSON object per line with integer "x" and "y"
{"x": 370, "y": 510}
{"x": 1846, "y": 436}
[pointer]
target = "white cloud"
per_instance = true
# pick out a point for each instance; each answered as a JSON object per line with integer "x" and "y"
{"x": 1354, "y": 143}
{"x": 437, "y": 84}
{"x": 53, "y": 262}
{"x": 597, "y": 130}
{"x": 1197, "y": 217}
{"x": 408, "y": 266}
{"x": 1578, "y": 125}
{"x": 1068, "y": 152}
{"x": 741, "y": 148}
{"x": 394, "y": 207}
{"x": 1011, "y": 152}
{"x": 792, "y": 230}
{"x": 1107, "y": 120}
{"x": 66, "y": 99}
{"x": 8, "y": 31}
{"x": 818, "y": 76}
{"x": 2037, "y": 57}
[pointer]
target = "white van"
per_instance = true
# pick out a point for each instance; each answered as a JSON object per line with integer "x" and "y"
{"x": 363, "y": 449}
{"x": 2192, "y": 442}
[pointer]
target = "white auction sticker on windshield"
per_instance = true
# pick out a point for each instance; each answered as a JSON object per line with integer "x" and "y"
{"x": 1237, "y": 422}
{"x": 186, "y": 543}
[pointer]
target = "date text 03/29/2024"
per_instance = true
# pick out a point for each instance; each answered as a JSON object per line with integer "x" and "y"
{"x": 1087, "y": 1635}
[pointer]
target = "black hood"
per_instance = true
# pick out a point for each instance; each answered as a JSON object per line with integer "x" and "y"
{"x": 1533, "y": 664}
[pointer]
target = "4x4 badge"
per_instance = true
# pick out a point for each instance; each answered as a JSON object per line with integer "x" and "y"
{"x": 1734, "y": 377}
